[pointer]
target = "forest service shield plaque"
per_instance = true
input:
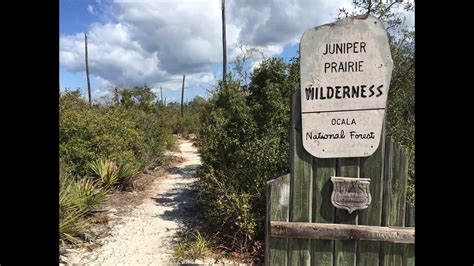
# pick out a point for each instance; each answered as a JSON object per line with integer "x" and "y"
{"x": 350, "y": 193}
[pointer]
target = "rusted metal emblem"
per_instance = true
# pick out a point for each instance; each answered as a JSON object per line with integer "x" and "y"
{"x": 350, "y": 193}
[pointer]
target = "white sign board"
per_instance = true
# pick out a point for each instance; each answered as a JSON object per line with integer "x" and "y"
{"x": 346, "y": 68}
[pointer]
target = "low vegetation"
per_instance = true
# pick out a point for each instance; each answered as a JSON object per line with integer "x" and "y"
{"x": 191, "y": 247}
{"x": 104, "y": 147}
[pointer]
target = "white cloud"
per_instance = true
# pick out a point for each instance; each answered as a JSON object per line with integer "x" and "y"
{"x": 171, "y": 99}
{"x": 196, "y": 80}
{"x": 281, "y": 22}
{"x": 90, "y": 8}
{"x": 113, "y": 55}
{"x": 149, "y": 42}
{"x": 155, "y": 42}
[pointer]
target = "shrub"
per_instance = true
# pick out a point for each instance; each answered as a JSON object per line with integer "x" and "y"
{"x": 192, "y": 247}
{"x": 243, "y": 143}
{"x": 70, "y": 226}
{"x": 125, "y": 175}
{"x": 76, "y": 200}
{"x": 87, "y": 134}
{"x": 106, "y": 171}
{"x": 127, "y": 135}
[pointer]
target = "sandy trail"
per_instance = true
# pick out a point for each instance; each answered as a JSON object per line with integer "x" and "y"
{"x": 147, "y": 235}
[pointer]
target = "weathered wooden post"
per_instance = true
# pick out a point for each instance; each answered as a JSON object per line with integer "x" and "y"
{"x": 161, "y": 97}
{"x": 87, "y": 70}
{"x": 182, "y": 96}
{"x": 347, "y": 181}
{"x": 224, "y": 47}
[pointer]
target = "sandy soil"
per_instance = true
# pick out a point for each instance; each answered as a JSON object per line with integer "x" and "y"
{"x": 146, "y": 235}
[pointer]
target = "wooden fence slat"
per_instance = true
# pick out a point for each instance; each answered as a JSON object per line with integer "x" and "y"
{"x": 410, "y": 215}
{"x": 323, "y": 210}
{"x": 394, "y": 198}
{"x": 300, "y": 185}
{"x": 278, "y": 191}
{"x": 372, "y": 167}
{"x": 342, "y": 232}
{"x": 345, "y": 250}
{"x": 409, "y": 252}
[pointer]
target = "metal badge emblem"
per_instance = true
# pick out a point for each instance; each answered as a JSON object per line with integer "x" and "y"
{"x": 350, "y": 193}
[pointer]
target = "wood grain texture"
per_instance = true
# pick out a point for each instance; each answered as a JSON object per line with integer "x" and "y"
{"x": 300, "y": 185}
{"x": 394, "y": 199}
{"x": 409, "y": 252}
{"x": 342, "y": 232}
{"x": 372, "y": 167}
{"x": 345, "y": 251}
{"x": 323, "y": 210}
{"x": 276, "y": 249}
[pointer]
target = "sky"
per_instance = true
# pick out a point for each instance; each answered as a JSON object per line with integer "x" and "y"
{"x": 155, "y": 42}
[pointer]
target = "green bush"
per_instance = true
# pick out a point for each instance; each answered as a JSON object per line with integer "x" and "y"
{"x": 111, "y": 175}
{"x": 87, "y": 134}
{"x": 76, "y": 200}
{"x": 243, "y": 143}
{"x": 127, "y": 135}
{"x": 126, "y": 174}
{"x": 192, "y": 111}
{"x": 190, "y": 121}
{"x": 106, "y": 171}
{"x": 192, "y": 247}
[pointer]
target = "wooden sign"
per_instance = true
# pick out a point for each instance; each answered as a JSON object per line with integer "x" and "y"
{"x": 346, "y": 68}
{"x": 350, "y": 193}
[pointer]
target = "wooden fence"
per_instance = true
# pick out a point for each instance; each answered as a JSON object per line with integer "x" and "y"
{"x": 304, "y": 196}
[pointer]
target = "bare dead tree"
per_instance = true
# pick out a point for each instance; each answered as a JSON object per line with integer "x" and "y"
{"x": 161, "y": 90}
{"x": 224, "y": 49}
{"x": 182, "y": 96}
{"x": 87, "y": 72}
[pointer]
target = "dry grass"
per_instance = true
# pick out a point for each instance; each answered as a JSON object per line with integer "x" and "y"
{"x": 179, "y": 159}
{"x": 99, "y": 219}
